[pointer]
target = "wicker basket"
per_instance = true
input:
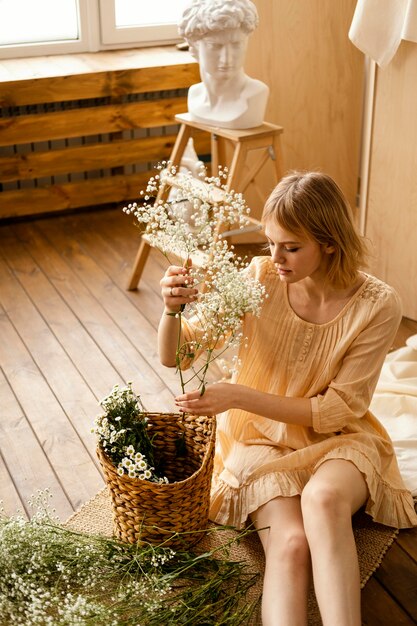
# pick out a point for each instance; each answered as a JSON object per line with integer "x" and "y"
{"x": 144, "y": 511}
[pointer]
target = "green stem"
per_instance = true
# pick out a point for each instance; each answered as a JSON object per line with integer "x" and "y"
{"x": 206, "y": 364}
{"x": 178, "y": 360}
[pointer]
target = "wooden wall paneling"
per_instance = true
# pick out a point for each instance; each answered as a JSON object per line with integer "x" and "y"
{"x": 84, "y": 158}
{"x": 58, "y": 160}
{"x": 391, "y": 222}
{"x": 90, "y": 120}
{"x": 301, "y": 50}
{"x": 315, "y": 74}
{"x": 51, "y": 198}
{"x": 58, "y": 197}
{"x": 89, "y": 157}
{"x": 97, "y": 84}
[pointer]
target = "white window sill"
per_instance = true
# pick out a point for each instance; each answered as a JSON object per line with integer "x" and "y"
{"x": 21, "y": 69}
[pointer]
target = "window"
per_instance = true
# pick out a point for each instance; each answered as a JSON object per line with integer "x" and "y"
{"x": 142, "y": 20}
{"x": 29, "y": 26}
{"x": 41, "y": 27}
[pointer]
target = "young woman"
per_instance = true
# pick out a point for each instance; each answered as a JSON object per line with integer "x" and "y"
{"x": 298, "y": 451}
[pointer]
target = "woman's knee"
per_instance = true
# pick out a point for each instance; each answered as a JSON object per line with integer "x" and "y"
{"x": 337, "y": 489}
{"x": 289, "y": 547}
{"x": 322, "y": 501}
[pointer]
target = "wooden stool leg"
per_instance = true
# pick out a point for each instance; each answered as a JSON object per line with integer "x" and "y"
{"x": 144, "y": 248}
{"x": 236, "y": 167}
{"x": 214, "y": 142}
{"x": 180, "y": 144}
{"x": 218, "y": 154}
{"x": 139, "y": 264}
{"x": 277, "y": 157}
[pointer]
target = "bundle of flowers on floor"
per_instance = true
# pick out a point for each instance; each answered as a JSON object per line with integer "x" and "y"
{"x": 53, "y": 576}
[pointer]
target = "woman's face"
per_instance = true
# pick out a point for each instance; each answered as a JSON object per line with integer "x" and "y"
{"x": 221, "y": 53}
{"x": 296, "y": 257}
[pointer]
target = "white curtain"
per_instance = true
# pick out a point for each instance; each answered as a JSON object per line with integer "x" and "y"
{"x": 378, "y": 26}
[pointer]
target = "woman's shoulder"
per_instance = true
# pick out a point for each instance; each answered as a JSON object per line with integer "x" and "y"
{"x": 374, "y": 289}
{"x": 377, "y": 294}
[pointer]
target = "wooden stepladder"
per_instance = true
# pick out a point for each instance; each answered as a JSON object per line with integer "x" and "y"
{"x": 243, "y": 152}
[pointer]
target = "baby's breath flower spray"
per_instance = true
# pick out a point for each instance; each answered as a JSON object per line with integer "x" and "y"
{"x": 193, "y": 223}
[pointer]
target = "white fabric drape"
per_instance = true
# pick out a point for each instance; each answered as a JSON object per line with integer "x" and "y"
{"x": 378, "y": 26}
{"x": 395, "y": 405}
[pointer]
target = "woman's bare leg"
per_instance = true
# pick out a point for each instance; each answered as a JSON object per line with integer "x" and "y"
{"x": 287, "y": 562}
{"x": 329, "y": 499}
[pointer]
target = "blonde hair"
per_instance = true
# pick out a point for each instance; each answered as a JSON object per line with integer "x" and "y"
{"x": 312, "y": 204}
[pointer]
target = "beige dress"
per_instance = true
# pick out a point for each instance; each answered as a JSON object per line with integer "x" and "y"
{"x": 336, "y": 365}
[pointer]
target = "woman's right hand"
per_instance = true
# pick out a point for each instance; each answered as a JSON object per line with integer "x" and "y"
{"x": 175, "y": 290}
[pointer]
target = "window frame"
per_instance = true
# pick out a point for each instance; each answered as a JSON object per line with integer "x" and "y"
{"x": 98, "y": 32}
{"x": 143, "y": 35}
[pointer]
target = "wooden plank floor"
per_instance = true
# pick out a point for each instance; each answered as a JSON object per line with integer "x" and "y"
{"x": 69, "y": 331}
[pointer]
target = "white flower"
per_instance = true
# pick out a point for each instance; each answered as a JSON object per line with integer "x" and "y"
{"x": 229, "y": 292}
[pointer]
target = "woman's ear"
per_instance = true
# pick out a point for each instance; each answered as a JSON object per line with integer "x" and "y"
{"x": 328, "y": 249}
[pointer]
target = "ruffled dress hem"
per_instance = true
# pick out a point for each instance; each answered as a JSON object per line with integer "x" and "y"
{"x": 386, "y": 504}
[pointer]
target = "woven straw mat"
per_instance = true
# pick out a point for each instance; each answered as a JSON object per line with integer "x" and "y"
{"x": 372, "y": 541}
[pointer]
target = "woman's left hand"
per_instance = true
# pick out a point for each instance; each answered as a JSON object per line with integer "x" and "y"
{"x": 217, "y": 398}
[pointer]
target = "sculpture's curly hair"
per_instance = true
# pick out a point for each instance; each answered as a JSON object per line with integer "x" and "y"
{"x": 205, "y": 16}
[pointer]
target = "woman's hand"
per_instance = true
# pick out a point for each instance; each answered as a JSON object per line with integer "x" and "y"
{"x": 220, "y": 397}
{"x": 175, "y": 289}
{"x": 217, "y": 398}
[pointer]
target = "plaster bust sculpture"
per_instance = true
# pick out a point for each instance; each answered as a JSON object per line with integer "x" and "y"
{"x": 217, "y": 32}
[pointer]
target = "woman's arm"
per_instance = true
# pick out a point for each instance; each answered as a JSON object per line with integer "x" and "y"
{"x": 175, "y": 293}
{"x": 344, "y": 400}
{"x": 223, "y": 396}
{"x": 349, "y": 394}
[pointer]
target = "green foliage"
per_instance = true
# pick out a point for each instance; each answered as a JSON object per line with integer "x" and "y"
{"x": 122, "y": 432}
{"x": 53, "y": 576}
